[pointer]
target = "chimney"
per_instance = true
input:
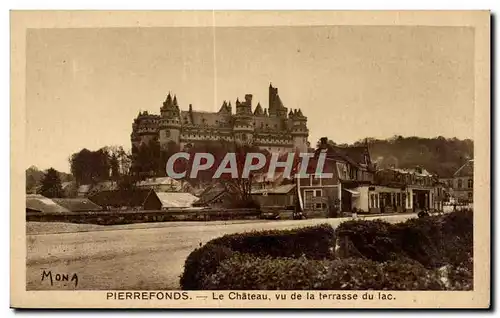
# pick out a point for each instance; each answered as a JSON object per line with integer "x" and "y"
{"x": 323, "y": 141}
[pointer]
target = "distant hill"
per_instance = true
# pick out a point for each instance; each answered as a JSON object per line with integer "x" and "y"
{"x": 442, "y": 156}
{"x": 34, "y": 176}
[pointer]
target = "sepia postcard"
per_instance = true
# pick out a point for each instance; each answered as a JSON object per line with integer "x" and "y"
{"x": 250, "y": 159}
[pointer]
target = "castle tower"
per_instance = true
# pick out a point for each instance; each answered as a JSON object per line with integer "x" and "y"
{"x": 299, "y": 130}
{"x": 170, "y": 123}
{"x": 276, "y": 108}
{"x": 243, "y": 124}
{"x": 144, "y": 129}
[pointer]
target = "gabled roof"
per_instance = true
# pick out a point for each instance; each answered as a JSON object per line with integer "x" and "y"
{"x": 77, "y": 204}
{"x": 417, "y": 172}
{"x": 355, "y": 155}
{"x": 160, "y": 181}
{"x": 117, "y": 198}
{"x": 176, "y": 199}
{"x": 84, "y": 188}
{"x": 258, "y": 110}
{"x": 39, "y": 203}
{"x": 466, "y": 170}
{"x": 210, "y": 193}
{"x": 282, "y": 189}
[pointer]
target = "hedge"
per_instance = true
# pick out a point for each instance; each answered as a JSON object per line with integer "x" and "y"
{"x": 315, "y": 242}
{"x": 201, "y": 263}
{"x": 432, "y": 241}
{"x": 247, "y": 272}
{"x": 367, "y": 239}
{"x": 418, "y": 254}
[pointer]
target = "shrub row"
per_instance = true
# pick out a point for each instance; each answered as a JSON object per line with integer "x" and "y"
{"x": 432, "y": 241}
{"x": 247, "y": 272}
{"x": 371, "y": 255}
{"x": 315, "y": 242}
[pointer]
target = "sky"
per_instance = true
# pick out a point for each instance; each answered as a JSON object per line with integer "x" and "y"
{"x": 84, "y": 87}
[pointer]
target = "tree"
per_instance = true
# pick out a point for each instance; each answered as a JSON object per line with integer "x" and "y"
{"x": 90, "y": 167}
{"x": 115, "y": 167}
{"x": 146, "y": 159}
{"x": 127, "y": 183}
{"x": 51, "y": 184}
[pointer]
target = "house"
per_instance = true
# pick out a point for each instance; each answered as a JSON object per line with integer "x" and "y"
{"x": 176, "y": 199}
{"x": 356, "y": 185}
{"x": 137, "y": 199}
{"x": 77, "y": 204}
{"x": 83, "y": 190}
{"x": 161, "y": 184}
{"x": 350, "y": 167}
{"x": 463, "y": 183}
{"x": 215, "y": 195}
{"x": 40, "y": 204}
{"x": 87, "y": 190}
{"x": 404, "y": 190}
{"x": 280, "y": 196}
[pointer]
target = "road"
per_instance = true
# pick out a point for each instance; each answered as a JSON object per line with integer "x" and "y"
{"x": 131, "y": 257}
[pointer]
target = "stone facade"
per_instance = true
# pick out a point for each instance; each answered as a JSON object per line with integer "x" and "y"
{"x": 275, "y": 129}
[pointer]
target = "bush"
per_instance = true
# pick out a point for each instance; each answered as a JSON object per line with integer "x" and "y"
{"x": 457, "y": 229}
{"x": 461, "y": 276}
{"x": 314, "y": 242}
{"x": 421, "y": 240}
{"x": 432, "y": 241}
{"x": 431, "y": 253}
{"x": 246, "y": 272}
{"x": 203, "y": 262}
{"x": 367, "y": 239}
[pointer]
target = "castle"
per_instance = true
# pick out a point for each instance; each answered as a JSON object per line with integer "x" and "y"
{"x": 276, "y": 130}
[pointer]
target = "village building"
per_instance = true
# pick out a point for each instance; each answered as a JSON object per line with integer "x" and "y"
{"x": 404, "y": 190}
{"x": 282, "y": 196}
{"x": 161, "y": 184}
{"x": 39, "y": 204}
{"x": 137, "y": 199}
{"x": 215, "y": 195}
{"x": 350, "y": 167}
{"x": 356, "y": 185}
{"x": 176, "y": 200}
{"x": 460, "y": 187}
{"x": 77, "y": 204}
{"x": 276, "y": 129}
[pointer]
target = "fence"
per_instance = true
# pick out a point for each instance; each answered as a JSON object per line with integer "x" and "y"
{"x": 127, "y": 217}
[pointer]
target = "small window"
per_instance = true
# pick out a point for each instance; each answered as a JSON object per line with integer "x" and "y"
{"x": 319, "y": 206}
{"x": 459, "y": 183}
{"x": 470, "y": 183}
{"x": 317, "y": 193}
